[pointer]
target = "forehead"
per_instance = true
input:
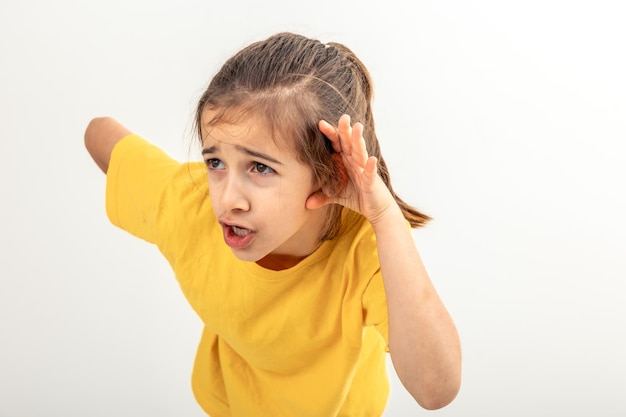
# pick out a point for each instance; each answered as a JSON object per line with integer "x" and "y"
{"x": 243, "y": 127}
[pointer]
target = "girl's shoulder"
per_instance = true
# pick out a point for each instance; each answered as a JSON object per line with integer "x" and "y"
{"x": 356, "y": 241}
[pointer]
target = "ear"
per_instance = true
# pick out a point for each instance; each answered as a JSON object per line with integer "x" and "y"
{"x": 340, "y": 169}
{"x": 329, "y": 192}
{"x": 319, "y": 198}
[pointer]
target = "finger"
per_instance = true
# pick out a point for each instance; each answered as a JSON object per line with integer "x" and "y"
{"x": 345, "y": 133}
{"x": 331, "y": 133}
{"x": 370, "y": 170}
{"x": 359, "y": 149}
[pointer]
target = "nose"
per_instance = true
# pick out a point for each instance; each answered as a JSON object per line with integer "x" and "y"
{"x": 233, "y": 195}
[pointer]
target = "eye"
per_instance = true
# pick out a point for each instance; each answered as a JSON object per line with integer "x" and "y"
{"x": 262, "y": 168}
{"x": 214, "y": 164}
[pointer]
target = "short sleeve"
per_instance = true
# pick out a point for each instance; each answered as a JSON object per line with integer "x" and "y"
{"x": 138, "y": 172}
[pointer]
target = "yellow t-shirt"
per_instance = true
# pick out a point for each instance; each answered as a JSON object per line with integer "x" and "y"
{"x": 306, "y": 341}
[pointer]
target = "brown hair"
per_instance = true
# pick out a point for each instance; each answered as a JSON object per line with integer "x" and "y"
{"x": 292, "y": 82}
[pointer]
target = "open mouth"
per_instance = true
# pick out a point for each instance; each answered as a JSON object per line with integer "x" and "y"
{"x": 237, "y": 237}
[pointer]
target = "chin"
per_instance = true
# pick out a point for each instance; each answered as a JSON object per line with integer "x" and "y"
{"x": 246, "y": 256}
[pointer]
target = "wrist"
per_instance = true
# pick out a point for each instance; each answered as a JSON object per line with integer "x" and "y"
{"x": 390, "y": 217}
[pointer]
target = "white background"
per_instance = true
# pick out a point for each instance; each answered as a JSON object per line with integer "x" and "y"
{"x": 505, "y": 121}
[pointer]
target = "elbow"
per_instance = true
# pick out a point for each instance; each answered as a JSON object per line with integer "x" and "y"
{"x": 101, "y": 135}
{"x": 92, "y": 135}
{"x": 436, "y": 394}
{"x": 92, "y": 132}
{"x": 89, "y": 131}
{"x": 435, "y": 402}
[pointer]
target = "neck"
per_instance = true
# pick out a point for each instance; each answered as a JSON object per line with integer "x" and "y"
{"x": 280, "y": 261}
{"x": 277, "y": 262}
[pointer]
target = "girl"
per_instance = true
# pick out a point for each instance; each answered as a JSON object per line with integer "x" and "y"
{"x": 296, "y": 253}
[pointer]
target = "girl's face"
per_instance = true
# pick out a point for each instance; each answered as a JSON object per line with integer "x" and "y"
{"x": 259, "y": 189}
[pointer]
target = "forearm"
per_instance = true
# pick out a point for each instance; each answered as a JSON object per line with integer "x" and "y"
{"x": 423, "y": 340}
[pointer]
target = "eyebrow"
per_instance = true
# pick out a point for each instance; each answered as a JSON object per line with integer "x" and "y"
{"x": 213, "y": 149}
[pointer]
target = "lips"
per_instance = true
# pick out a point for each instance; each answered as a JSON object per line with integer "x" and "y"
{"x": 237, "y": 237}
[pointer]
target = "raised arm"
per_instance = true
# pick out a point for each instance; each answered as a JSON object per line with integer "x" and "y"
{"x": 101, "y": 135}
{"x": 423, "y": 340}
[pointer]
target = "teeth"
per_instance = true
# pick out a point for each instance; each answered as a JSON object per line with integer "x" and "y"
{"x": 239, "y": 231}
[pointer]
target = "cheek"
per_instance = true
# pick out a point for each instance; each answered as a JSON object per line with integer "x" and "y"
{"x": 293, "y": 209}
{"x": 213, "y": 193}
